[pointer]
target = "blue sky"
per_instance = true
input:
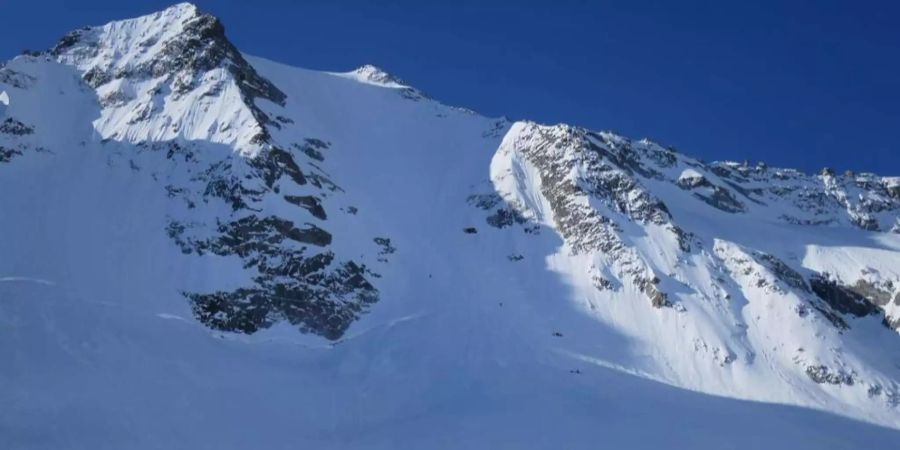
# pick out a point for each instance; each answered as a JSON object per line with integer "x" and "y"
{"x": 803, "y": 84}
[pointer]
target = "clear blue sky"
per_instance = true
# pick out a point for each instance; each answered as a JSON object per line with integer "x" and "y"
{"x": 794, "y": 83}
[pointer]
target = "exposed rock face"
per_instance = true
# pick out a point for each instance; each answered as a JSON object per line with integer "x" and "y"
{"x": 14, "y": 127}
{"x": 842, "y": 298}
{"x": 297, "y": 279}
{"x": 274, "y": 163}
{"x": 879, "y": 294}
{"x": 862, "y": 200}
{"x": 298, "y": 291}
{"x": 15, "y": 137}
{"x": 822, "y": 374}
{"x": 387, "y": 248}
{"x": 505, "y": 217}
{"x": 309, "y": 202}
{"x": 576, "y": 169}
{"x": 7, "y": 154}
{"x": 782, "y": 271}
{"x": 721, "y": 198}
{"x": 313, "y": 148}
{"x": 15, "y": 79}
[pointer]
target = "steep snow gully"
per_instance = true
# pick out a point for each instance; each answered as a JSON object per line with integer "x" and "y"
{"x": 205, "y": 249}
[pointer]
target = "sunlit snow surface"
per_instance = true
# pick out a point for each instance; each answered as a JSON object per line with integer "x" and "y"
{"x": 494, "y": 339}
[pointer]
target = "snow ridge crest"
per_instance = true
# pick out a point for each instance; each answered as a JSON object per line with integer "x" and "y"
{"x": 156, "y": 74}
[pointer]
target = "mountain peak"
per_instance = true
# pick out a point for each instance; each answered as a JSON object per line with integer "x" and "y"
{"x": 182, "y": 9}
{"x": 375, "y": 75}
{"x": 180, "y": 53}
{"x": 141, "y": 32}
{"x": 179, "y": 37}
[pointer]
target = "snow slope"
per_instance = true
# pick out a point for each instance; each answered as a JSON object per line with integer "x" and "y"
{"x": 106, "y": 376}
{"x": 205, "y": 249}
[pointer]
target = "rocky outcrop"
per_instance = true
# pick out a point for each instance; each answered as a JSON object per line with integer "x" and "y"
{"x": 861, "y": 298}
{"x": 292, "y": 282}
{"x": 299, "y": 291}
{"x": 721, "y": 199}
{"x": 579, "y": 170}
{"x": 310, "y": 203}
{"x": 14, "y": 127}
{"x": 782, "y": 271}
{"x": 375, "y": 75}
{"x": 296, "y": 278}
{"x": 15, "y": 79}
{"x": 823, "y": 375}
{"x": 273, "y": 163}
{"x": 15, "y": 137}
{"x": 842, "y": 298}
{"x": 7, "y": 154}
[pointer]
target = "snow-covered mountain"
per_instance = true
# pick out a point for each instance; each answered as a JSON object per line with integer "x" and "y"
{"x": 204, "y": 249}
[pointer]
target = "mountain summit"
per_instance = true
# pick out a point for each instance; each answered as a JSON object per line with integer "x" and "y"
{"x": 208, "y": 249}
{"x": 180, "y": 55}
